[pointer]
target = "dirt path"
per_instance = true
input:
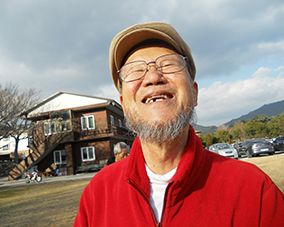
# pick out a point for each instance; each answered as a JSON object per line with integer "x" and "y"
{"x": 273, "y": 166}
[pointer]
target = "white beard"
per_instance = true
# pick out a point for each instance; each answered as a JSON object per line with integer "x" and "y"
{"x": 159, "y": 132}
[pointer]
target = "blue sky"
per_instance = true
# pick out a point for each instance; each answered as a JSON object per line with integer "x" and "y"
{"x": 238, "y": 47}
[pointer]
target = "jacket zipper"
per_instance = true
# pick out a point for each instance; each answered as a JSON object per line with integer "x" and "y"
{"x": 152, "y": 212}
{"x": 157, "y": 224}
{"x": 165, "y": 202}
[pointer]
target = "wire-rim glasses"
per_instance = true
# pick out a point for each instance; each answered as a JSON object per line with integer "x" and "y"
{"x": 135, "y": 70}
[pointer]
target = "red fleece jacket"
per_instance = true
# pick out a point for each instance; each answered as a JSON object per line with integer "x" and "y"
{"x": 207, "y": 190}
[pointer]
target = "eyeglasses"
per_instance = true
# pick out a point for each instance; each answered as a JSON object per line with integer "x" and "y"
{"x": 135, "y": 70}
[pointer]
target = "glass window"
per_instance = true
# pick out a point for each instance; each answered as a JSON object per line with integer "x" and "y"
{"x": 53, "y": 127}
{"x": 111, "y": 119}
{"x": 119, "y": 123}
{"x": 59, "y": 157}
{"x": 88, "y": 154}
{"x": 88, "y": 122}
{"x": 91, "y": 122}
{"x": 23, "y": 155}
{"x": 46, "y": 128}
{"x": 6, "y": 147}
{"x": 65, "y": 126}
{"x": 65, "y": 115}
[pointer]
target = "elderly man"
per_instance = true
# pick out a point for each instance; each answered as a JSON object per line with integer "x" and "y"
{"x": 169, "y": 179}
{"x": 120, "y": 152}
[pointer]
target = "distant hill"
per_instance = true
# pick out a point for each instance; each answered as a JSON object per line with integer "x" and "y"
{"x": 204, "y": 129}
{"x": 271, "y": 110}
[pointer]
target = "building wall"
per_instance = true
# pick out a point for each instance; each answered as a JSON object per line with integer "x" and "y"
{"x": 102, "y": 151}
{"x": 99, "y": 115}
{"x": 103, "y": 143}
{"x": 116, "y": 116}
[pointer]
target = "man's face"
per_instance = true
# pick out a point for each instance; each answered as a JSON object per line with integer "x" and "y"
{"x": 123, "y": 154}
{"x": 171, "y": 92}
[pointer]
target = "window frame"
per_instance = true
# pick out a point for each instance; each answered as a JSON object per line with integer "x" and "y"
{"x": 112, "y": 120}
{"x": 88, "y": 158}
{"x": 120, "y": 123}
{"x": 49, "y": 128}
{"x": 61, "y": 161}
{"x": 87, "y": 122}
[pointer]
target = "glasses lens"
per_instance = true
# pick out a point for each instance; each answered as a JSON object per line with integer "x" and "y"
{"x": 170, "y": 63}
{"x": 133, "y": 70}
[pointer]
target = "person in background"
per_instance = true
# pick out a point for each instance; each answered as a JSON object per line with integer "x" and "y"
{"x": 120, "y": 151}
{"x": 169, "y": 179}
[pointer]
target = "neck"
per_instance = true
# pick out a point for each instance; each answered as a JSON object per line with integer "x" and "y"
{"x": 162, "y": 158}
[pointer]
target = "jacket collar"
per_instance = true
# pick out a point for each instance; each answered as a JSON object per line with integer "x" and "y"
{"x": 187, "y": 172}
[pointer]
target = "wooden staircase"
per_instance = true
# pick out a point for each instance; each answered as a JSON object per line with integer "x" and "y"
{"x": 40, "y": 151}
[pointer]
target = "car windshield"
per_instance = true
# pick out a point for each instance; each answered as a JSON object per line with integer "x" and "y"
{"x": 259, "y": 141}
{"x": 223, "y": 146}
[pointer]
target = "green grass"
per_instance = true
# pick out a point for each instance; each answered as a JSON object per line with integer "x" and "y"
{"x": 44, "y": 204}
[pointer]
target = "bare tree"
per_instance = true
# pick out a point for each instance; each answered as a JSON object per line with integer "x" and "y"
{"x": 13, "y": 102}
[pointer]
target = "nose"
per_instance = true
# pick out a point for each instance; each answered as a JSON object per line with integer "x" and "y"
{"x": 153, "y": 76}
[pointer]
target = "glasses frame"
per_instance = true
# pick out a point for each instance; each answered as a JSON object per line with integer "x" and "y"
{"x": 147, "y": 67}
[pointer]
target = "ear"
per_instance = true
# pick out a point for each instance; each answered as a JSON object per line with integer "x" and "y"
{"x": 121, "y": 100}
{"x": 194, "y": 89}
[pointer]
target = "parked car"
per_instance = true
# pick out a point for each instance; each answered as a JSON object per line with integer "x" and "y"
{"x": 224, "y": 149}
{"x": 255, "y": 147}
{"x": 238, "y": 147}
{"x": 278, "y": 143}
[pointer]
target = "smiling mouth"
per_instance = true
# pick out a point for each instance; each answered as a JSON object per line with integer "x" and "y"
{"x": 157, "y": 98}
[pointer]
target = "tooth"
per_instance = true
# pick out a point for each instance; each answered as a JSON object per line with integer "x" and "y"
{"x": 156, "y": 98}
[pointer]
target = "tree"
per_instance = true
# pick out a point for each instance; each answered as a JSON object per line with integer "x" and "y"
{"x": 276, "y": 126}
{"x": 13, "y": 102}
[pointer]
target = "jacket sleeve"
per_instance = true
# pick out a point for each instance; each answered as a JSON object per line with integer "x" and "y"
{"x": 82, "y": 216}
{"x": 272, "y": 207}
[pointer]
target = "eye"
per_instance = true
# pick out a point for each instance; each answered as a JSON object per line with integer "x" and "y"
{"x": 135, "y": 69}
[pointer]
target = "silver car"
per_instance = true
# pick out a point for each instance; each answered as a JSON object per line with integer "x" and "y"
{"x": 224, "y": 149}
{"x": 255, "y": 147}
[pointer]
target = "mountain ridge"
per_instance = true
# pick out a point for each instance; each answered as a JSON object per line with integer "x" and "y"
{"x": 271, "y": 110}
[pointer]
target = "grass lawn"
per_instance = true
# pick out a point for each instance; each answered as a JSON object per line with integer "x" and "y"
{"x": 43, "y": 204}
{"x": 56, "y": 203}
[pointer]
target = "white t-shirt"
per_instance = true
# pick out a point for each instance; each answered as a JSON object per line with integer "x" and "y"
{"x": 158, "y": 185}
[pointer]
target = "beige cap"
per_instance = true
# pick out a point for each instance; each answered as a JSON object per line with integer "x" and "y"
{"x": 128, "y": 38}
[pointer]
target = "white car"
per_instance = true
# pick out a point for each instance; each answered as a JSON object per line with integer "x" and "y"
{"x": 224, "y": 149}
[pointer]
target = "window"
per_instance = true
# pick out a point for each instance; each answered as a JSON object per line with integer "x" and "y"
{"x": 46, "y": 128}
{"x": 65, "y": 126}
{"x": 119, "y": 123}
{"x": 6, "y": 147}
{"x": 88, "y": 154}
{"x": 111, "y": 119}
{"x": 53, "y": 127}
{"x": 59, "y": 157}
{"x": 88, "y": 122}
{"x": 23, "y": 155}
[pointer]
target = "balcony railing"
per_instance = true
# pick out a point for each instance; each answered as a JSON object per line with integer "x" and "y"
{"x": 110, "y": 130}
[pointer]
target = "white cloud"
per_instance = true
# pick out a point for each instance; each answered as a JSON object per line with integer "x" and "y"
{"x": 279, "y": 68}
{"x": 63, "y": 45}
{"x": 261, "y": 72}
{"x": 222, "y": 102}
{"x": 108, "y": 91}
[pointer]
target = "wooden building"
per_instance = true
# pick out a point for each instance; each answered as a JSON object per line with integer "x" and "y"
{"x": 72, "y": 131}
